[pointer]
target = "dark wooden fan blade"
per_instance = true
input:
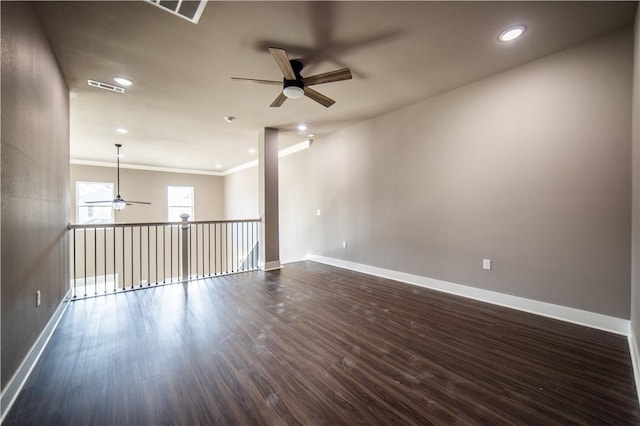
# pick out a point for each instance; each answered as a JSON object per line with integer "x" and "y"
{"x": 256, "y": 80}
{"x": 282, "y": 59}
{"x": 318, "y": 97}
{"x": 137, "y": 202}
{"x": 328, "y": 77}
{"x": 279, "y": 100}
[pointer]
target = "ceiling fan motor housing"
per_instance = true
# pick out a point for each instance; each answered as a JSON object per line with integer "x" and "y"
{"x": 293, "y": 83}
{"x": 294, "y": 89}
{"x": 297, "y": 67}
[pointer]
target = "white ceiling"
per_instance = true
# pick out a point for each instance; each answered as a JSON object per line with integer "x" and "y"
{"x": 398, "y": 52}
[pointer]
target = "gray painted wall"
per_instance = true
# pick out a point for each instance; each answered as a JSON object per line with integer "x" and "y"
{"x": 146, "y": 185}
{"x": 296, "y": 206}
{"x": 529, "y": 168}
{"x": 35, "y": 183}
{"x": 241, "y": 194}
{"x": 635, "y": 252}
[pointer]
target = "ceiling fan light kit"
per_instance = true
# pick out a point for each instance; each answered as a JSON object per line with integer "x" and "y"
{"x": 118, "y": 204}
{"x": 293, "y": 90}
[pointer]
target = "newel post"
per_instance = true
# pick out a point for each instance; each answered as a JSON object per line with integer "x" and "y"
{"x": 185, "y": 247}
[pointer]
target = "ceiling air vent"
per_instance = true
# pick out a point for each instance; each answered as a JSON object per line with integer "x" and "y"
{"x": 105, "y": 86}
{"x": 187, "y": 9}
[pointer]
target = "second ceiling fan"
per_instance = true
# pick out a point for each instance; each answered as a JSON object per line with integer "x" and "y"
{"x": 294, "y": 85}
{"x": 118, "y": 203}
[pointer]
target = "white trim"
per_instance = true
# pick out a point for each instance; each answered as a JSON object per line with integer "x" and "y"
{"x": 563, "y": 313}
{"x": 141, "y": 167}
{"x": 282, "y": 153}
{"x": 241, "y": 167}
{"x": 288, "y": 261}
{"x": 294, "y": 148}
{"x": 635, "y": 359}
{"x": 19, "y": 378}
{"x": 270, "y": 266}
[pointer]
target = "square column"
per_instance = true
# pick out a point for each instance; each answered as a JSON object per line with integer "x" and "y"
{"x": 268, "y": 192}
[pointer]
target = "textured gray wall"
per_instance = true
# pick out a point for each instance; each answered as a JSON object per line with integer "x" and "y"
{"x": 530, "y": 168}
{"x": 151, "y": 186}
{"x": 635, "y": 252}
{"x": 35, "y": 183}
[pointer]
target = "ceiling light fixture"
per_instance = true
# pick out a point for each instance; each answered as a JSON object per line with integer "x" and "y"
{"x": 293, "y": 89}
{"x": 512, "y": 33}
{"x": 122, "y": 130}
{"x": 302, "y": 127}
{"x": 218, "y": 166}
{"x": 252, "y": 151}
{"x": 229, "y": 118}
{"x": 118, "y": 204}
{"x": 123, "y": 80}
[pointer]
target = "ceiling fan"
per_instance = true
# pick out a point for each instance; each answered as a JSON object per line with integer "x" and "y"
{"x": 294, "y": 85}
{"x": 118, "y": 203}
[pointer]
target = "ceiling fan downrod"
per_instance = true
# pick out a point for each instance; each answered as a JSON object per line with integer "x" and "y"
{"x": 118, "y": 166}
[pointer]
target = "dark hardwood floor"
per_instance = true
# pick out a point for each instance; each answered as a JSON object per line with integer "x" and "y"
{"x": 313, "y": 344}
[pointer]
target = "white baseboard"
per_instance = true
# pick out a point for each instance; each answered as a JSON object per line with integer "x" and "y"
{"x": 270, "y": 266}
{"x": 19, "y": 378}
{"x": 563, "y": 313}
{"x": 635, "y": 359}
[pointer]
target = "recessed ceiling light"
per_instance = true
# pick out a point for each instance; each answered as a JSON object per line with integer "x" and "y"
{"x": 306, "y": 134}
{"x": 122, "y": 80}
{"x": 218, "y": 166}
{"x": 512, "y": 33}
{"x": 252, "y": 151}
{"x": 302, "y": 127}
{"x": 229, "y": 118}
{"x": 122, "y": 130}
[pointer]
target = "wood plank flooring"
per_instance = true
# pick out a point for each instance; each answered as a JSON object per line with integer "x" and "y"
{"x": 317, "y": 345}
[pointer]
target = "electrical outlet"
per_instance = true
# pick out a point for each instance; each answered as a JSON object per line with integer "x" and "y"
{"x": 318, "y": 212}
{"x": 344, "y": 244}
{"x": 486, "y": 264}
{"x": 38, "y": 298}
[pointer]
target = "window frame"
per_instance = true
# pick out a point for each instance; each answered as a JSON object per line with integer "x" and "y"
{"x": 192, "y": 206}
{"x": 80, "y": 205}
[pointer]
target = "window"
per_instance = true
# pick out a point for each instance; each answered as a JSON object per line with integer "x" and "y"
{"x": 98, "y": 212}
{"x": 179, "y": 201}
